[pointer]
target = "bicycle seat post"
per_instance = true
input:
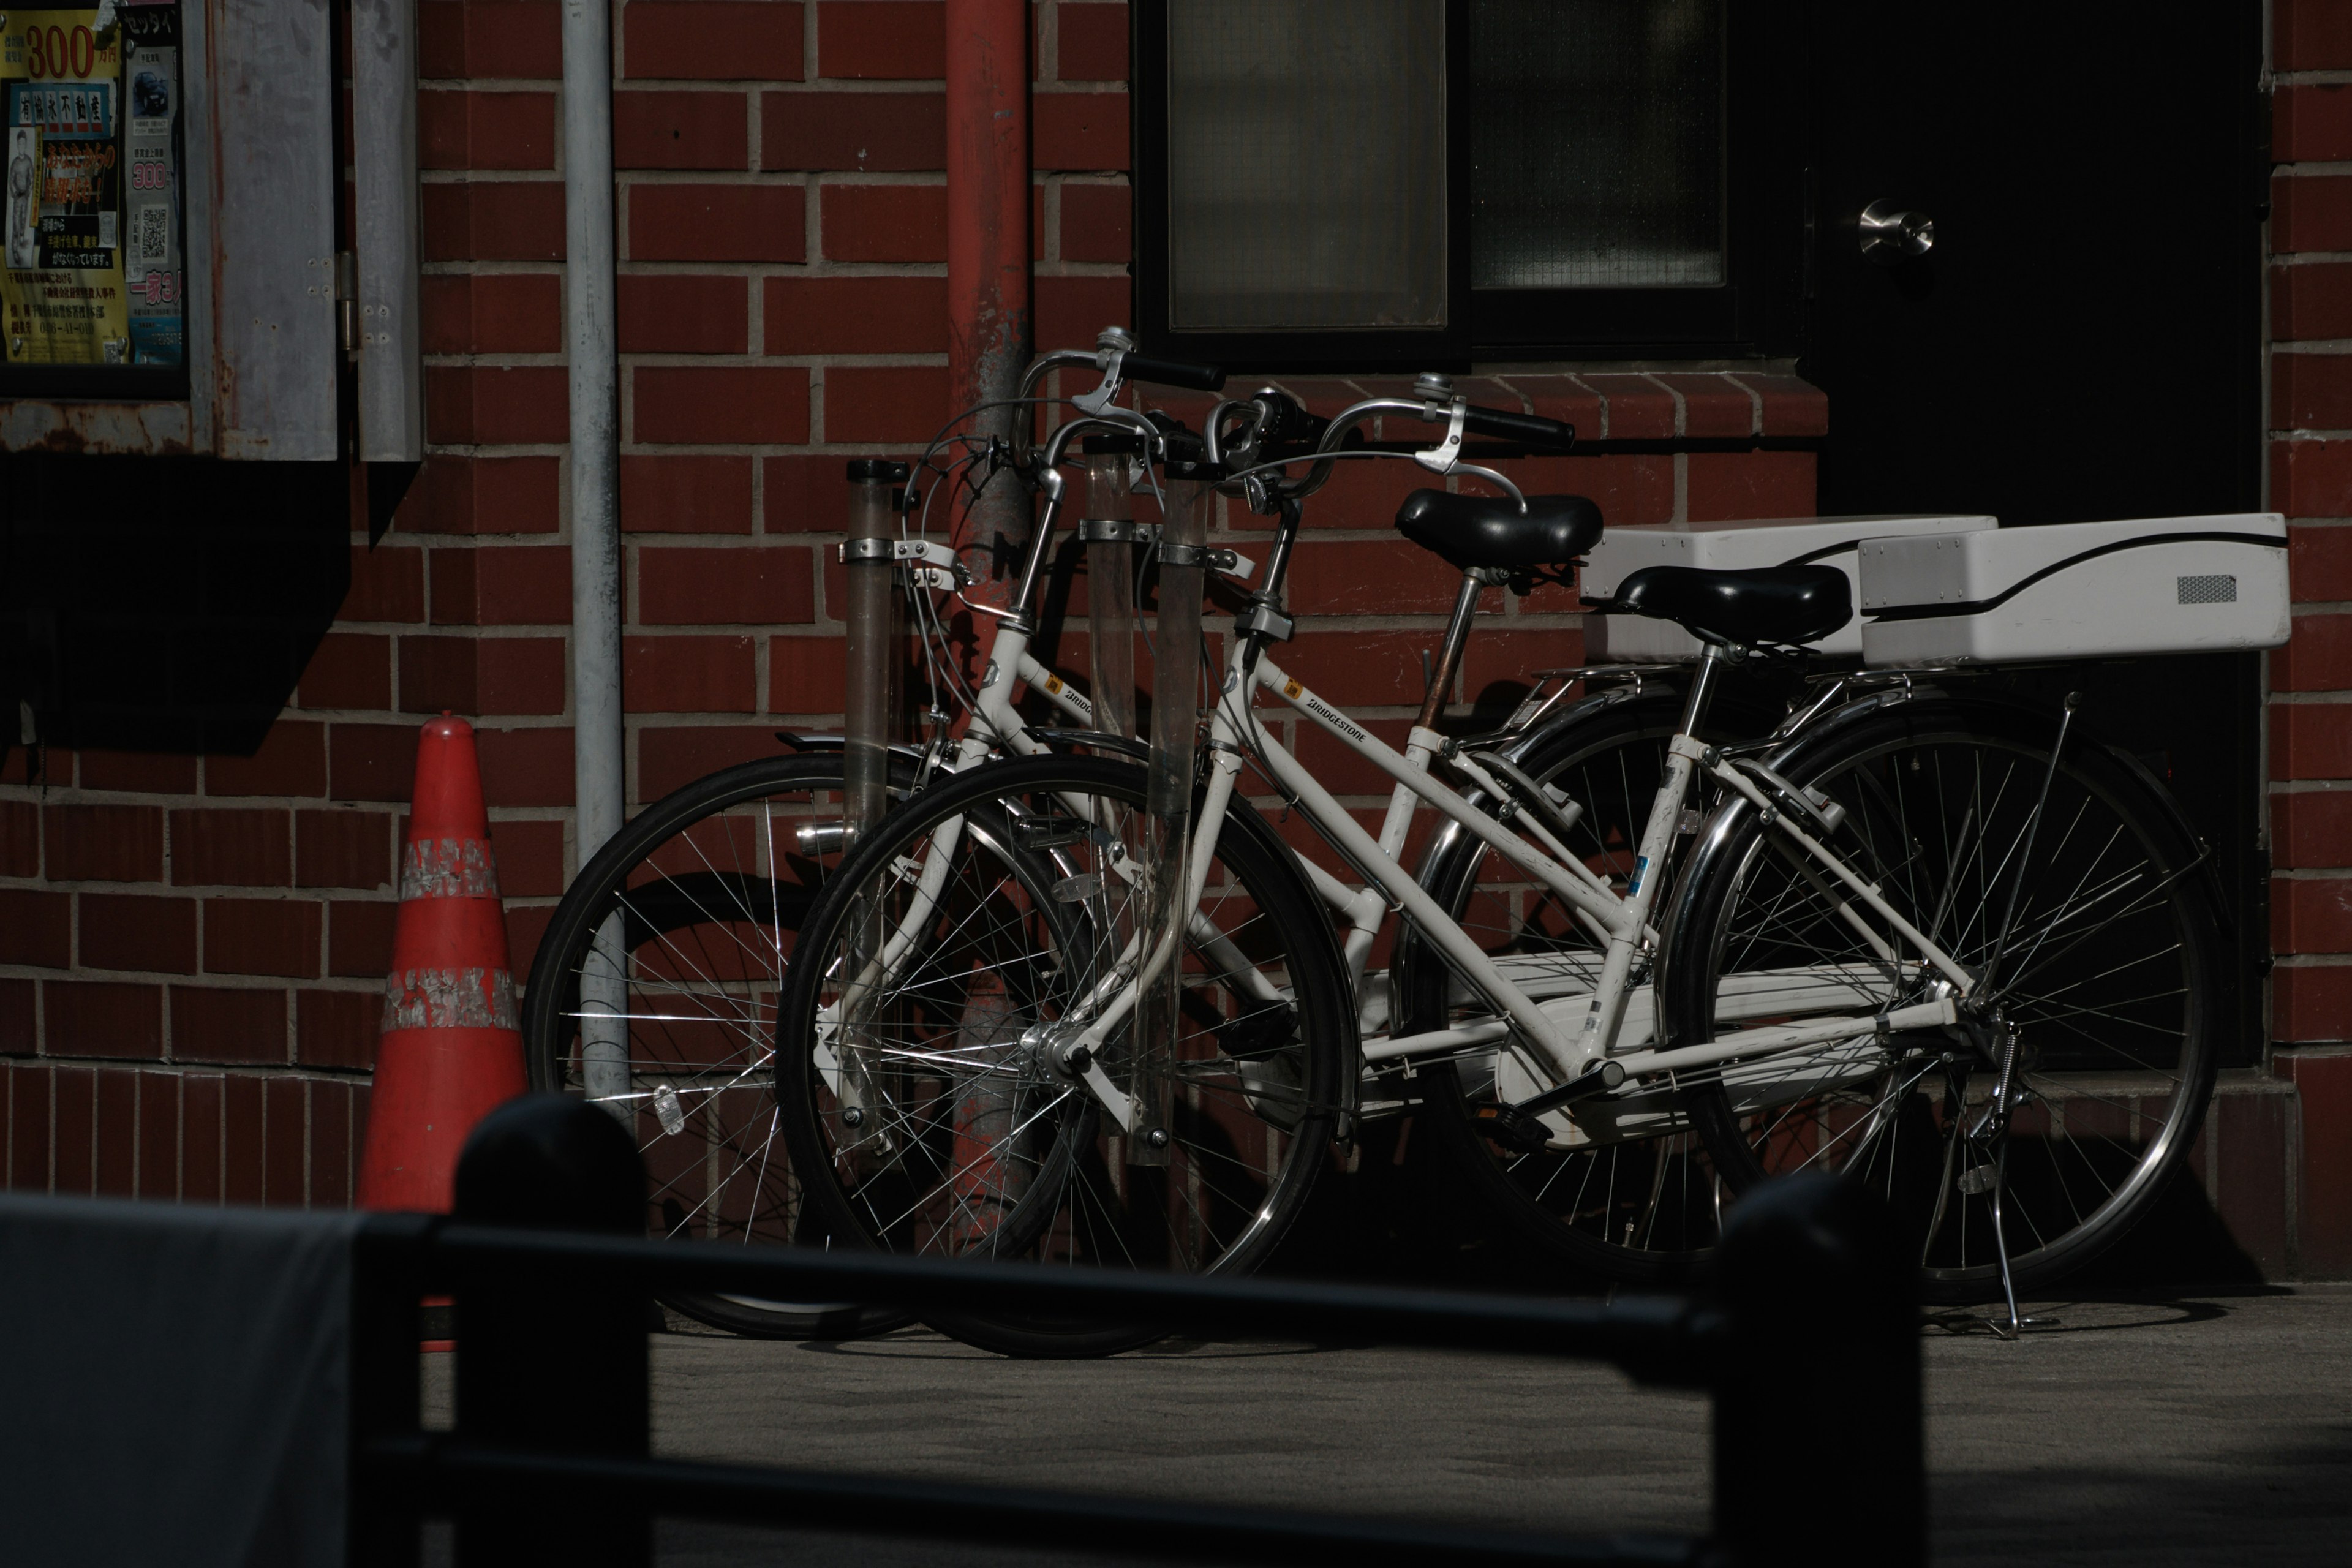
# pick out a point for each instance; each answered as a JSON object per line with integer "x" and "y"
{"x": 1474, "y": 581}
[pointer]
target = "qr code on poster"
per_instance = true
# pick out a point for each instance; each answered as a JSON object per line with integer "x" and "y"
{"x": 151, "y": 238}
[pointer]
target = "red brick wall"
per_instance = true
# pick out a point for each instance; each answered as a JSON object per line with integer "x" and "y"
{"x": 2311, "y": 678}
{"x": 191, "y": 949}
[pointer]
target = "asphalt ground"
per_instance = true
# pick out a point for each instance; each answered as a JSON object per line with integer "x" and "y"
{"x": 2152, "y": 1429}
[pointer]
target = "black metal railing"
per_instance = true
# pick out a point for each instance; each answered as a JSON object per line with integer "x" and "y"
{"x": 1807, "y": 1338}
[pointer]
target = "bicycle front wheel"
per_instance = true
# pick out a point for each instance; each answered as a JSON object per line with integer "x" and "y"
{"x": 667, "y": 953}
{"x": 930, "y": 1099}
{"x": 2094, "y": 949}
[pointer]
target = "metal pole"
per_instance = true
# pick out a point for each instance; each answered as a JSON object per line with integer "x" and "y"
{"x": 594, "y": 466}
{"x": 988, "y": 244}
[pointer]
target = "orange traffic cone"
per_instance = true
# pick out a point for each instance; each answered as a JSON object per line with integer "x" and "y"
{"x": 451, "y": 1048}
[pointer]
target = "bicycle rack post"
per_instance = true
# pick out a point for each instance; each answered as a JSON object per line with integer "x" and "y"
{"x": 545, "y": 1362}
{"x": 1818, "y": 1449}
{"x": 1108, "y": 528}
{"x": 1168, "y": 795}
{"x": 872, "y": 653}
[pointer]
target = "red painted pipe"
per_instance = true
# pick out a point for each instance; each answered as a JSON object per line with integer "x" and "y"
{"x": 988, "y": 240}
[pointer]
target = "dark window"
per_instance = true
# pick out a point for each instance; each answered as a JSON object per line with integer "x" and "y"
{"x": 1399, "y": 183}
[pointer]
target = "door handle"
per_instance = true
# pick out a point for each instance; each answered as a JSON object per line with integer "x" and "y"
{"x": 1891, "y": 236}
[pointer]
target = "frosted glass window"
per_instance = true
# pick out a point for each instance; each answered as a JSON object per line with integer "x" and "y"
{"x": 1597, "y": 143}
{"x": 1306, "y": 164}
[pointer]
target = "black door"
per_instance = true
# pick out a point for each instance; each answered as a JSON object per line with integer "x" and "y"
{"x": 2081, "y": 339}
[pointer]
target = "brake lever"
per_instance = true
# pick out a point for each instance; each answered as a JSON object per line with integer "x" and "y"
{"x": 1443, "y": 457}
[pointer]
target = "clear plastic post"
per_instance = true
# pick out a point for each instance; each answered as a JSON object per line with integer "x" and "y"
{"x": 1108, "y": 529}
{"x": 1168, "y": 803}
{"x": 868, "y": 718}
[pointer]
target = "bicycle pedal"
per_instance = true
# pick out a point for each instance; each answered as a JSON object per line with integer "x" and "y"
{"x": 1512, "y": 1128}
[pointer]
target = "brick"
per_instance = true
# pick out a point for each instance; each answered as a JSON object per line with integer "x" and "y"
{"x": 348, "y": 669}
{"x": 686, "y": 494}
{"x": 18, "y": 1035}
{"x": 1098, "y": 222}
{"x": 200, "y": 1138}
{"x": 241, "y": 1139}
{"x": 439, "y": 675}
{"x": 669, "y": 756}
{"x": 522, "y": 675}
{"x": 806, "y": 675}
{"x": 2313, "y": 300}
{"x": 854, "y": 315}
{"x": 36, "y": 928}
{"x": 374, "y": 761}
{"x": 458, "y": 494}
{"x": 884, "y": 403}
{"x": 359, "y": 938}
{"x": 2310, "y": 35}
{"x": 343, "y": 849}
{"x": 1362, "y": 670}
{"x": 236, "y": 848}
{"x": 29, "y": 1129}
{"x": 2310, "y": 123}
{"x": 682, "y": 314}
{"x": 1628, "y": 488}
{"x": 875, "y": 133}
{"x": 497, "y": 38}
{"x": 286, "y": 1171}
{"x": 529, "y": 858}
{"x": 2311, "y": 1003}
{"x": 762, "y": 586}
{"x": 135, "y": 931}
{"x": 387, "y": 584}
{"x": 2310, "y": 392}
{"x": 881, "y": 40}
{"x": 1079, "y": 131}
{"x": 725, "y": 40}
{"x": 102, "y": 1018}
{"x": 502, "y": 585}
{"x": 884, "y": 222}
{"x": 159, "y": 1135}
{"x": 1792, "y": 407}
{"x": 2311, "y": 741}
{"x": 718, "y": 223}
{"x": 1340, "y": 769}
{"x": 679, "y": 131}
{"x": 686, "y": 675}
{"x": 1369, "y": 577}
{"x": 2311, "y": 914}
{"x": 2312, "y": 829}
{"x": 117, "y": 1134}
{"x": 262, "y": 936}
{"x": 337, "y": 1028}
{"x": 146, "y": 771}
{"x": 525, "y": 926}
{"x": 733, "y": 405}
{"x": 1093, "y": 42}
{"x": 1751, "y": 484}
{"x": 496, "y": 405}
{"x": 1072, "y": 310}
{"x": 485, "y": 130}
{"x": 291, "y": 759}
{"x": 74, "y": 1096}
{"x": 331, "y": 1144}
{"x": 504, "y": 220}
{"x": 526, "y": 767}
{"x": 2311, "y": 212}
{"x": 803, "y": 495}
{"x": 2323, "y": 1085}
{"x": 492, "y": 313}
{"x": 104, "y": 843}
{"x": 1637, "y": 407}
{"x": 2317, "y": 659}
{"x": 20, "y": 838}
{"x": 1713, "y": 405}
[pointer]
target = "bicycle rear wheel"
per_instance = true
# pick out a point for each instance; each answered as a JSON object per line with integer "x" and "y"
{"x": 2110, "y": 980}
{"x": 942, "y": 971}
{"x": 708, "y": 886}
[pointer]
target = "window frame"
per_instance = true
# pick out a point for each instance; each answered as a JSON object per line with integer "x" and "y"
{"x": 1757, "y": 311}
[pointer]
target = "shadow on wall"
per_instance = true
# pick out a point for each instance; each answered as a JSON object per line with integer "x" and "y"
{"x": 163, "y": 605}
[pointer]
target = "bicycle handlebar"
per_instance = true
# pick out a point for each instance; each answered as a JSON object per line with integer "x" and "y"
{"x": 1511, "y": 425}
{"x": 1171, "y": 372}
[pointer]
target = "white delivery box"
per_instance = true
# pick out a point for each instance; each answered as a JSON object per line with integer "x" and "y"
{"x": 2077, "y": 590}
{"x": 1768, "y": 542}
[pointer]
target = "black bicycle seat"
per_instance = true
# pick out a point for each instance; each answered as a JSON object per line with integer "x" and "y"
{"x": 1488, "y": 531}
{"x": 1749, "y": 606}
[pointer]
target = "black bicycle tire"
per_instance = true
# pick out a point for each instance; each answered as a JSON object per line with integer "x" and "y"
{"x": 577, "y": 917}
{"x": 2134, "y": 794}
{"x": 1329, "y": 1041}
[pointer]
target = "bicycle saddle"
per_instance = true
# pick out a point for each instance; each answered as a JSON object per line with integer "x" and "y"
{"x": 1488, "y": 531}
{"x": 1747, "y": 605}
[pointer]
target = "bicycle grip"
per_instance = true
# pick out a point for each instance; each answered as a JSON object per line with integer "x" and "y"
{"x": 1527, "y": 428}
{"x": 1171, "y": 372}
